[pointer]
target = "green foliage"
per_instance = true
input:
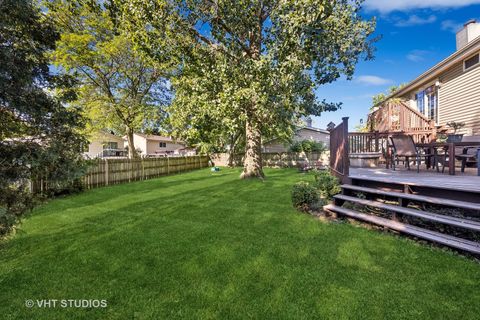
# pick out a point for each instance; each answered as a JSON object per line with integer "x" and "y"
{"x": 259, "y": 65}
{"x": 39, "y": 135}
{"x": 456, "y": 126}
{"x": 441, "y": 137}
{"x": 304, "y": 196}
{"x": 381, "y": 97}
{"x": 308, "y": 197}
{"x": 307, "y": 146}
{"x": 118, "y": 88}
{"x": 326, "y": 184}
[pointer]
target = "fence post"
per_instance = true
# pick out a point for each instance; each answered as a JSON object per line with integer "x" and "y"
{"x": 168, "y": 166}
{"x": 106, "y": 172}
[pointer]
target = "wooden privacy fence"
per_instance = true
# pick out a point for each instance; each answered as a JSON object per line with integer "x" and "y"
{"x": 272, "y": 159}
{"x": 104, "y": 172}
{"x": 112, "y": 171}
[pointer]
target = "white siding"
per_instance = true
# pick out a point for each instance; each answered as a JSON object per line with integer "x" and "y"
{"x": 154, "y": 147}
{"x": 459, "y": 98}
{"x": 98, "y": 140}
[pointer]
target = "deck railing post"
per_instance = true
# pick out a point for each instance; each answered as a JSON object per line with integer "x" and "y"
{"x": 346, "y": 160}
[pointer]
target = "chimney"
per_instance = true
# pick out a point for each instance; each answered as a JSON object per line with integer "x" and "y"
{"x": 308, "y": 122}
{"x": 470, "y": 30}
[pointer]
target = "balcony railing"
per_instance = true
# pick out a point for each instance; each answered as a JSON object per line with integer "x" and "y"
{"x": 399, "y": 117}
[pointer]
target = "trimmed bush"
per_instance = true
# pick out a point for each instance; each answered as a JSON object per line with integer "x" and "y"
{"x": 304, "y": 196}
{"x": 326, "y": 184}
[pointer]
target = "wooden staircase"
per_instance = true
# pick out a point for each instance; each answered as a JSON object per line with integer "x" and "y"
{"x": 374, "y": 198}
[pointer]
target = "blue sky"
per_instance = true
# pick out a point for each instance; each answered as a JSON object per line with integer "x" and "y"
{"x": 416, "y": 34}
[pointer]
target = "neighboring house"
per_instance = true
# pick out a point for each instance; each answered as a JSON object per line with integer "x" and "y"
{"x": 450, "y": 90}
{"x": 105, "y": 144}
{"x": 304, "y": 133}
{"x": 159, "y": 145}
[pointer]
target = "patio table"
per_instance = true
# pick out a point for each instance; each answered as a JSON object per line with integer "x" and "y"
{"x": 451, "y": 151}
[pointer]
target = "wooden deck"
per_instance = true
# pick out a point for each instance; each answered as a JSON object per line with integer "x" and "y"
{"x": 467, "y": 181}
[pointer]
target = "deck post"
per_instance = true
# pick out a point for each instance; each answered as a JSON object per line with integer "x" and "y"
{"x": 377, "y": 137}
{"x": 478, "y": 162}
{"x": 346, "y": 151}
{"x": 451, "y": 156}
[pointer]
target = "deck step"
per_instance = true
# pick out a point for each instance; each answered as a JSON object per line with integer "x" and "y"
{"x": 414, "y": 197}
{"x": 454, "y": 242}
{"x": 452, "y": 221}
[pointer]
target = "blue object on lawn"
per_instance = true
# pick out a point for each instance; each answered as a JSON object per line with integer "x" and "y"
{"x": 215, "y": 169}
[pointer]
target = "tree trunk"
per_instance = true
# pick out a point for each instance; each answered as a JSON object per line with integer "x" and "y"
{"x": 231, "y": 155}
{"x": 252, "y": 165}
{"x": 231, "y": 151}
{"x": 132, "y": 152}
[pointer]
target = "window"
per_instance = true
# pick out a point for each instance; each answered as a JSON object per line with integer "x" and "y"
{"x": 432, "y": 106}
{"x": 471, "y": 62}
{"x": 162, "y": 144}
{"x": 110, "y": 145}
{"x": 428, "y": 98}
{"x": 421, "y": 102}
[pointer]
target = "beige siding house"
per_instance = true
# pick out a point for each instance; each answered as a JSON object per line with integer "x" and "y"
{"x": 158, "y": 145}
{"x": 304, "y": 133}
{"x": 450, "y": 91}
{"x": 101, "y": 141}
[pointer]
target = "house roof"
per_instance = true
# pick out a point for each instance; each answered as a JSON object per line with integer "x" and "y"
{"x": 157, "y": 138}
{"x": 435, "y": 71}
{"x": 304, "y": 128}
{"x": 105, "y": 133}
{"x": 313, "y": 129}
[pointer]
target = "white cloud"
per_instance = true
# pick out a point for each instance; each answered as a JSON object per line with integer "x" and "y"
{"x": 452, "y": 26}
{"x": 415, "y": 21}
{"x": 417, "y": 55}
{"x": 385, "y": 6}
{"x": 372, "y": 80}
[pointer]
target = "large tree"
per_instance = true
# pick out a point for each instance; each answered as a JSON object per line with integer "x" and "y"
{"x": 119, "y": 89}
{"x": 253, "y": 62}
{"x": 39, "y": 136}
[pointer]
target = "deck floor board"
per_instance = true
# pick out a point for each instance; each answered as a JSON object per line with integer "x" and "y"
{"x": 462, "y": 182}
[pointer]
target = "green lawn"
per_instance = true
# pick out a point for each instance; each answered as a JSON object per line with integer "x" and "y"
{"x": 208, "y": 245}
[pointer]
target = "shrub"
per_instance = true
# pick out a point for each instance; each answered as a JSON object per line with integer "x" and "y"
{"x": 304, "y": 196}
{"x": 296, "y": 147}
{"x": 307, "y": 146}
{"x": 326, "y": 184}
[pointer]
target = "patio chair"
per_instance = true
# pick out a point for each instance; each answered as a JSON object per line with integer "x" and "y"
{"x": 404, "y": 147}
{"x": 465, "y": 154}
{"x": 468, "y": 154}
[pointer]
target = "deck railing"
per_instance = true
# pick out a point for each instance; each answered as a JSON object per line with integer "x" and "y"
{"x": 399, "y": 117}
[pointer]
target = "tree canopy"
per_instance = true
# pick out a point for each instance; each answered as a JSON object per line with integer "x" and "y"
{"x": 119, "y": 88}
{"x": 39, "y": 136}
{"x": 250, "y": 64}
